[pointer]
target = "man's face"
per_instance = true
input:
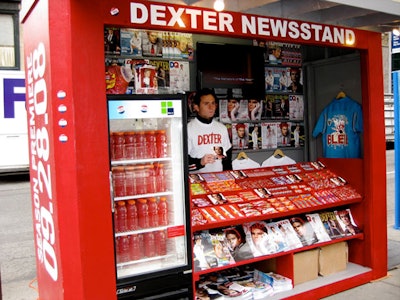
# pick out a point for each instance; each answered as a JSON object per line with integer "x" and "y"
{"x": 240, "y": 132}
{"x": 257, "y": 235}
{"x": 345, "y": 219}
{"x": 295, "y": 76}
{"x": 206, "y": 108}
{"x": 152, "y": 37}
{"x": 233, "y": 240}
{"x": 284, "y": 131}
{"x": 298, "y": 227}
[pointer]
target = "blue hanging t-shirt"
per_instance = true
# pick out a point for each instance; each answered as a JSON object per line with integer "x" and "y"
{"x": 340, "y": 124}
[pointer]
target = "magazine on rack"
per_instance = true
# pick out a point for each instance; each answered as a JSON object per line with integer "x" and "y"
{"x": 269, "y": 135}
{"x": 319, "y": 228}
{"x": 346, "y": 222}
{"x": 260, "y": 238}
{"x": 304, "y": 230}
{"x": 331, "y": 224}
{"x": 203, "y": 251}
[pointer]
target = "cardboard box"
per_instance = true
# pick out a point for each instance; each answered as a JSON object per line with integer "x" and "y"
{"x": 305, "y": 266}
{"x": 333, "y": 258}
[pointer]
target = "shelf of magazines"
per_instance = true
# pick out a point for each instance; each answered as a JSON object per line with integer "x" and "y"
{"x": 288, "y": 254}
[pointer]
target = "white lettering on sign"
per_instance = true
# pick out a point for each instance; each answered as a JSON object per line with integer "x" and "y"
{"x": 42, "y": 192}
{"x": 258, "y": 26}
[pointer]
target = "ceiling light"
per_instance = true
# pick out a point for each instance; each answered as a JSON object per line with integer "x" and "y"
{"x": 219, "y": 5}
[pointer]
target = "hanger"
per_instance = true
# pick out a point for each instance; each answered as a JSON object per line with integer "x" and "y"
{"x": 242, "y": 155}
{"x": 278, "y": 153}
{"x": 341, "y": 95}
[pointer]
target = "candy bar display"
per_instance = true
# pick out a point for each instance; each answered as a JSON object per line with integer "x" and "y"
{"x": 225, "y": 196}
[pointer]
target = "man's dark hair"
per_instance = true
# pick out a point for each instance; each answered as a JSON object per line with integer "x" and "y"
{"x": 201, "y": 93}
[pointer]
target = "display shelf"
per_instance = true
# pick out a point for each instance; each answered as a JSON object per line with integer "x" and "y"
{"x": 141, "y": 231}
{"x": 139, "y": 161}
{"x": 197, "y": 274}
{"x": 138, "y": 196}
{"x": 277, "y": 215}
{"x": 327, "y": 285}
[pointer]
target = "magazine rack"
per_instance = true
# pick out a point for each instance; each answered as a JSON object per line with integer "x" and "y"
{"x": 283, "y": 262}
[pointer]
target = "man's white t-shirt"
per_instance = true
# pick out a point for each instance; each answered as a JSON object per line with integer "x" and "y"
{"x": 202, "y": 138}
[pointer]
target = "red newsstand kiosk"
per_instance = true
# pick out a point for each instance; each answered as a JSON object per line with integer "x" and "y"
{"x": 68, "y": 133}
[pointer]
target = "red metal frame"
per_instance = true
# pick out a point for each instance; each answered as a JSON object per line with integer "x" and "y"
{"x": 74, "y": 221}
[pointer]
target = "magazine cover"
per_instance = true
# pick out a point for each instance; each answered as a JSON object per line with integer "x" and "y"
{"x": 269, "y": 135}
{"x": 260, "y": 239}
{"x": 296, "y": 81}
{"x": 288, "y": 233}
{"x": 112, "y": 40}
{"x": 243, "y": 112}
{"x": 254, "y": 136}
{"x": 131, "y": 42}
{"x": 284, "y": 54}
{"x": 179, "y": 76}
{"x": 221, "y": 248}
{"x": 268, "y": 107}
{"x": 298, "y": 135}
{"x": 296, "y": 107}
{"x": 331, "y": 224}
{"x": 255, "y": 109}
{"x": 304, "y": 230}
{"x": 145, "y": 79}
{"x": 277, "y": 79}
{"x": 229, "y": 110}
{"x": 177, "y": 45}
{"x": 281, "y": 107}
{"x": 204, "y": 255}
{"x": 162, "y": 74}
{"x": 318, "y": 227}
{"x": 240, "y": 136}
{"x": 119, "y": 76}
{"x": 152, "y": 43}
{"x": 284, "y": 134}
{"x": 236, "y": 242}
{"x": 277, "y": 236}
{"x": 346, "y": 222}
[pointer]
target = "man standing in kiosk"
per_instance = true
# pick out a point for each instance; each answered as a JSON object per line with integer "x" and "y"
{"x": 205, "y": 133}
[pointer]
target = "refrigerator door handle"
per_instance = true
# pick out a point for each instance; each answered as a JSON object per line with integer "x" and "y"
{"x": 111, "y": 192}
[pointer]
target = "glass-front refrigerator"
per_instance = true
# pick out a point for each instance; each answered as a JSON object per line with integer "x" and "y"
{"x": 149, "y": 192}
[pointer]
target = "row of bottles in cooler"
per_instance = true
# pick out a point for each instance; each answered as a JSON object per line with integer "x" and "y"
{"x": 139, "y": 179}
{"x": 140, "y": 246}
{"x": 140, "y": 214}
{"x": 127, "y": 145}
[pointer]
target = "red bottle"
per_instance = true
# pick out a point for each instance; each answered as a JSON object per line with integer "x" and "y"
{"x": 153, "y": 212}
{"x": 139, "y": 142}
{"x": 149, "y": 244}
{"x": 132, "y": 215}
{"x": 134, "y": 243}
{"x": 118, "y": 177}
{"x": 121, "y": 217}
{"x": 163, "y": 212}
{"x": 160, "y": 178}
{"x": 130, "y": 180}
{"x": 143, "y": 213}
{"x": 129, "y": 146}
{"x": 151, "y": 178}
{"x": 161, "y": 242}
{"x": 161, "y": 143}
{"x": 123, "y": 249}
{"x": 140, "y": 179}
{"x": 150, "y": 144}
{"x": 119, "y": 141}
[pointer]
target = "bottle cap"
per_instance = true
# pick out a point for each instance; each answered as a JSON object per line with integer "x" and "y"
{"x": 131, "y": 202}
{"x": 121, "y": 203}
